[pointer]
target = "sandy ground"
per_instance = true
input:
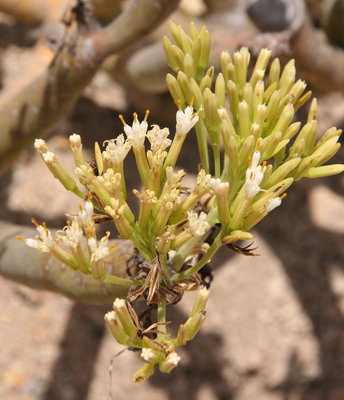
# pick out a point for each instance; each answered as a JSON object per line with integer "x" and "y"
{"x": 274, "y": 328}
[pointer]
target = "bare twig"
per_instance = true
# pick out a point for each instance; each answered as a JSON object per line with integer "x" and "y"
{"x": 37, "y": 109}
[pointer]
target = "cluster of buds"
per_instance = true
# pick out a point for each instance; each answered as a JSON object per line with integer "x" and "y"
{"x": 125, "y": 327}
{"x": 247, "y": 111}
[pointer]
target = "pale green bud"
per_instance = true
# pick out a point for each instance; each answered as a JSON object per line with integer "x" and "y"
{"x": 116, "y": 328}
{"x": 200, "y": 301}
{"x": 121, "y": 310}
{"x": 196, "y": 91}
{"x": 189, "y": 66}
{"x": 99, "y": 158}
{"x": 143, "y": 373}
{"x": 326, "y": 170}
{"x": 244, "y": 120}
{"x": 175, "y": 89}
{"x": 235, "y": 236}
{"x": 205, "y": 47}
{"x": 282, "y": 171}
{"x": 220, "y": 90}
{"x": 183, "y": 82}
{"x": 205, "y": 83}
{"x": 274, "y": 73}
{"x": 233, "y": 98}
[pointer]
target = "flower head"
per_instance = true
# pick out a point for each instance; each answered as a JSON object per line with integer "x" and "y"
{"x": 186, "y": 120}
{"x": 116, "y": 149}
{"x": 136, "y": 133}
{"x": 254, "y": 176}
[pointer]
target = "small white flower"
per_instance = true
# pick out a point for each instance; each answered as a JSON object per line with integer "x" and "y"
{"x": 43, "y": 241}
{"x": 254, "y": 176}
{"x": 41, "y": 146}
{"x": 186, "y": 120}
{"x": 272, "y": 204}
{"x": 173, "y": 359}
{"x": 100, "y": 249}
{"x": 218, "y": 186}
{"x": 198, "y": 224}
{"x": 136, "y": 133}
{"x": 148, "y": 355}
{"x": 158, "y": 138}
{"x": 116, "y": 149}
{"x": 75, "y": 140}
{"x": 49, "y": 157}
{"x": 71, "y": 234}
{"x": 86, "y": 213}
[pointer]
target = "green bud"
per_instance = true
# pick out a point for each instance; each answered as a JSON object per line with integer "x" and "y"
{"x": 174, "y": 58}
{"x": 196, "y": 91}
{"x": 189, "y": 66}
{"x": 225, "y": 59}
{"x": 235, "y": 236}
{"x": 326, "y": 170}
{"x": 200, "y": 301}
{"x": 233, "y": 98}
{"x": 183, "y": 82}
{"x": 302, "y": 100}
{"x": 121, "y": 310}
{"x": 175, "y": 89}
{"x": 220, "y": 90}
{"x": 244, "y": 120}
{"x": 332, "y": 132}
{"x": 99, "y": 158}
{"x": 206, "y": 82}
{"x": 274, "y": 73}
{"x": 116, "y": 328}
{"x": 282, "y": 171}
{"x": 205, "y": 47}
{"x": 143, "y": 373}
{"x": 247, "y": 149}
{"x": 292, "y": 130}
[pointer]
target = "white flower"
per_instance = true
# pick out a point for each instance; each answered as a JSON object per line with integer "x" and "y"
{"x": 272, "y": 204}
{"x": 75, "y": 140}
{"x": 100, "y": 249}
{"x": 218, "y": 186}
{"x": 116, "y": 149}
{"x": 186, "y": 120}
{"x": 158, "y": 138}
{"x": 198, "y": 225}
{"x": 71, "y": 234}
{"x": 136, "y": 133}
{"x": 148, "y": 355}
{"x": 41, "y": 146}
{"x": 173, "y": 359}
{"x": 43, "y": 241}
{"x": 254, "y": 176}
{"x": 86, "y": 213}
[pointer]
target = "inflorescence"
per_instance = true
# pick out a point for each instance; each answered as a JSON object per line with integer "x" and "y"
{"x": 245, "y": 116}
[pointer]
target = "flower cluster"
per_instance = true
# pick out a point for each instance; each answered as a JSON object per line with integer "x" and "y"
{"x": 247, "y": 111}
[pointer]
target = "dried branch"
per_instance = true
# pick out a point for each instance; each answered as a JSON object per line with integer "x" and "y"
{"x": 41, "y": 271}
{"x": 35, "y": 12}
{"x": 38, "y": 108}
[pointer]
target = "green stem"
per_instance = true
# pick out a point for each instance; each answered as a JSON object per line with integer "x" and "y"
{"x": 200, "y": 264}
{"x": 201, "y": 136}
{"x": 165, "y": 272}
{"x": 161, "y": 318}
{"x": 217, "y": 159}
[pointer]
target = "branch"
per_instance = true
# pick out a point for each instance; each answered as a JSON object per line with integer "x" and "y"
{"x": 44, "y": 102}
{"x": 35, "y": 12}
{"x": 22, "y": 264}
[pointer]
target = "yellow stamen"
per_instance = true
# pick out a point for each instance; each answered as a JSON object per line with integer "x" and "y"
{"x": 146, "y": 115}
{"x": 122, "y": 119}
{"x": 258, "y": 144}
{"x": 283, "y": 196}
{"x": 192, "y": 101}
{"x": 179, "y": 104}
{"x": 135, "y": 117}
{"x": 34, "y": 222}
{"x": 264, "y": 163}
{"x": 20, "y": 238}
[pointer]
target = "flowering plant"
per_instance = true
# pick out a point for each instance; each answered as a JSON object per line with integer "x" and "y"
{"x": 246, "y": 114}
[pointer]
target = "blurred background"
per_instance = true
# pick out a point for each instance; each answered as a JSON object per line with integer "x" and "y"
{"x": 275, "y": 323}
